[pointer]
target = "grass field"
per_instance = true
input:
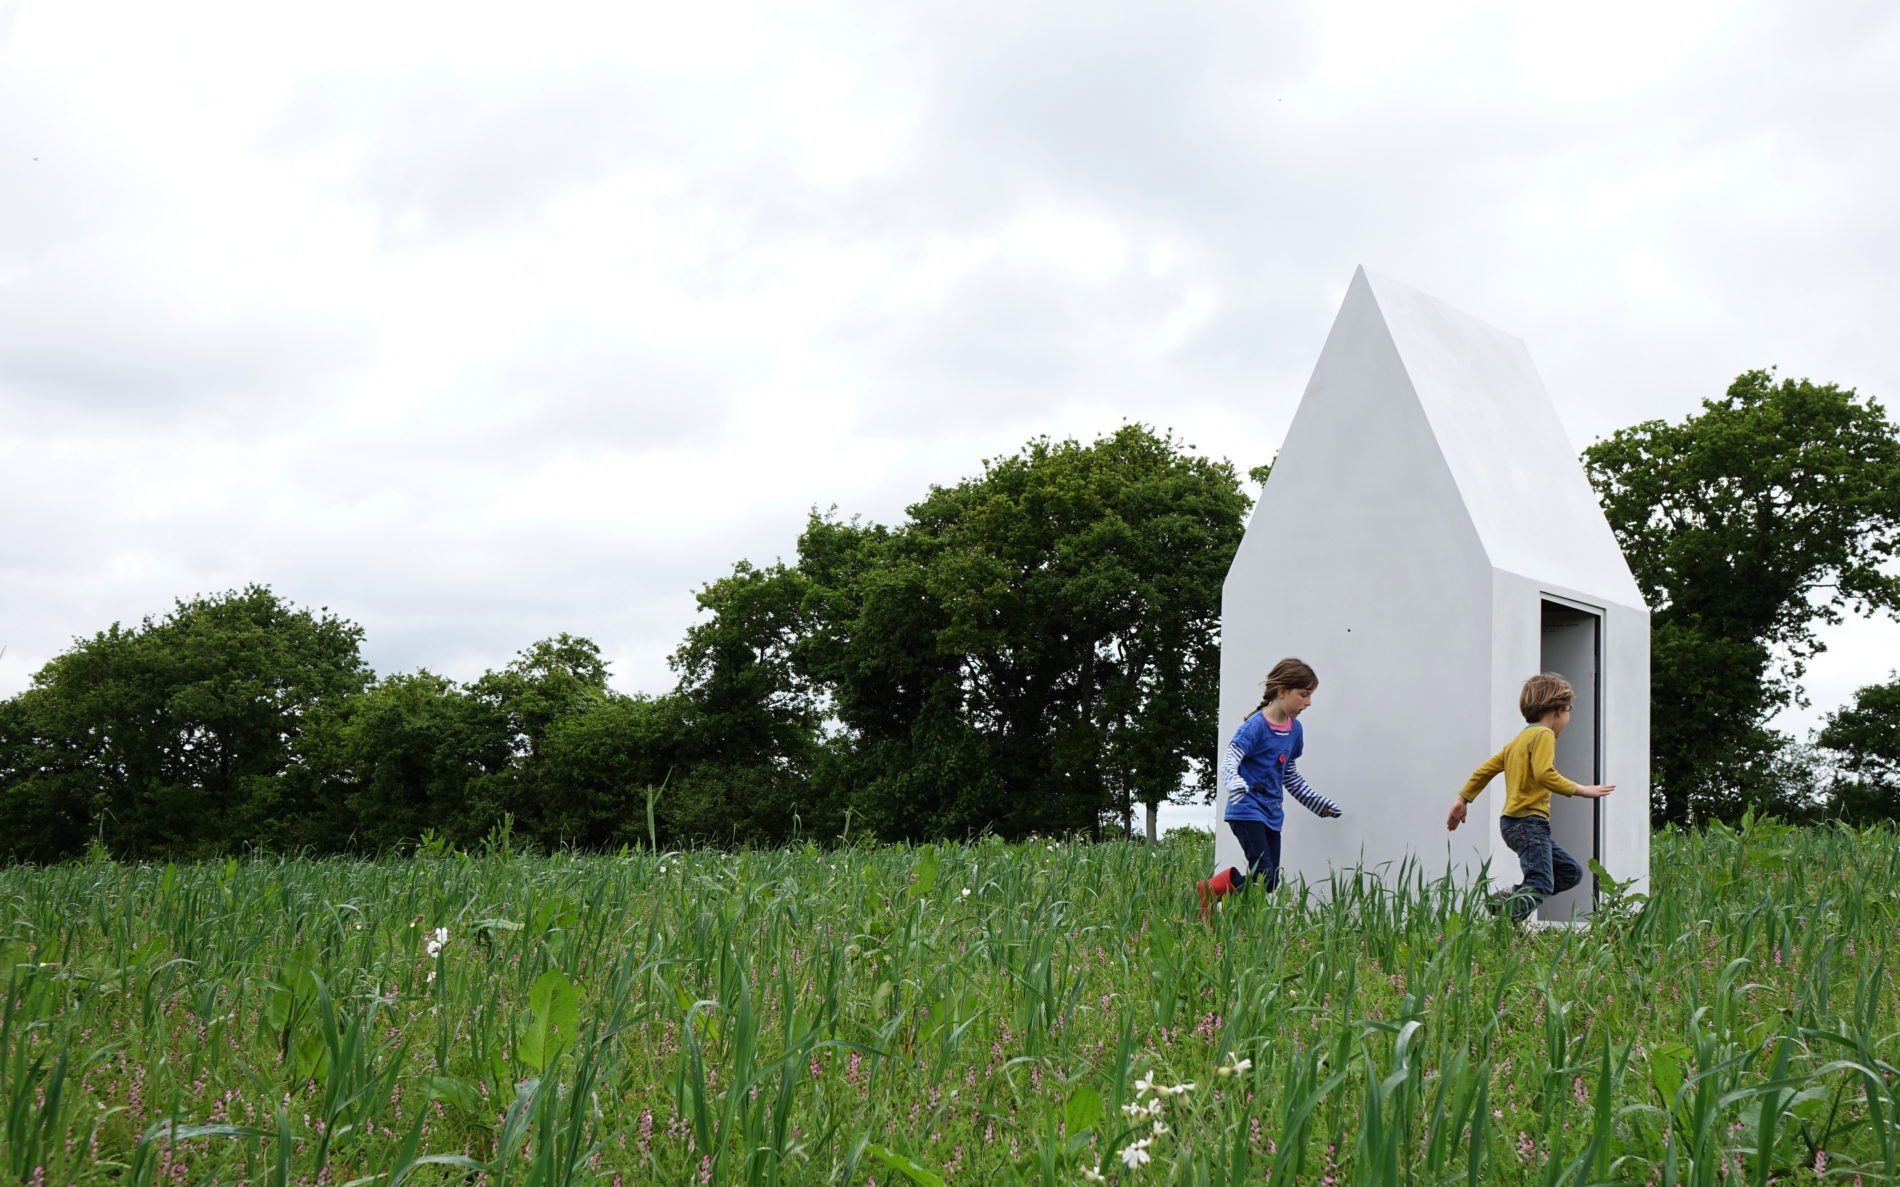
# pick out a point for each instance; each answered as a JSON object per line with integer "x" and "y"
{"x": 982, "y": 1013}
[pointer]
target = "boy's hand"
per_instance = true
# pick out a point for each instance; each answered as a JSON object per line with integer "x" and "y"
{"x": 1331, "y": 814}
{"x": 1596, "y": 791}
{"x": 1457, "y": 816}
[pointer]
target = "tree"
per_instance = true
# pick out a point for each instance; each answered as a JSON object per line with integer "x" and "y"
{"x": 384, "y": 767}
{"x": 173, "y": 739}
{"x": 1747, "y": 525}
{"x": 543, "y": 740}
{"x": 547, "y": 683}
{"x": 749, "y": 717}
{"x": 1865, "y": 739}
{"x": 594, "y": 765}
{"x": 1035, "y": 649}
{"x": 46, "y": 803}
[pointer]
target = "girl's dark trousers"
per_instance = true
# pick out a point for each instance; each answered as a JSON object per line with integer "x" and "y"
{"x": 1262, "y": 847}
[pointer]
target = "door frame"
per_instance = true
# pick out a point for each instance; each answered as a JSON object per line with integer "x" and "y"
{"x": 1602, "y": 616}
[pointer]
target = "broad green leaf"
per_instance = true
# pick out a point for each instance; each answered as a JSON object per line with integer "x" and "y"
{"x": 919, "y": 1174}
{"x": 1161, "y": 943}
{"x": 555, "y": 913}
{"x": 556, "y": 1005}
{"x": 1666, "y": 1061}
{"x": 309, "y": 1057}
{"x": 492, "y": 930}
{"x": 459, "y": 1093}
{"x": 1084, "y": 1110}
{"x": 169, "y": 1131}
{"x": 926, "y": 869}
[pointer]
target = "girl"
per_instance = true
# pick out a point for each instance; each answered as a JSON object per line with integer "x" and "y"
{"x": 1256, "y": 768}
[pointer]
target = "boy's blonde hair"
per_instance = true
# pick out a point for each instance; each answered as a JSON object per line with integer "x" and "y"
{"x": 1545, "y": 693}
{"x": 1288, "y": 674}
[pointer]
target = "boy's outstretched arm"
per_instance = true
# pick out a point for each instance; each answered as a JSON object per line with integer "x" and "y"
{"x": 1544, "y": 771}
{"x": 1301, "y": 790}
{"x": 1487, "y": 771}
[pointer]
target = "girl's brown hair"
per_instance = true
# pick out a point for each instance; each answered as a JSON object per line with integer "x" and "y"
{"x": 1287, "y": 676}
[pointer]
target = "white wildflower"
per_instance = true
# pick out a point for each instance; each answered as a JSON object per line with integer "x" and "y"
{"x": 966, "y": 892}
{"x": 1161, "y": 1127}
{"x": 1156, "y": 1107}
{"x": 1234, "y": 1066}
{"x": 438, "y": 940}
{"x": 1143, "y": 1084}
{"x": 1133, "y": 1109}
{"x": 1136, "y": 1153}
{"x": 1092, "y": 1174}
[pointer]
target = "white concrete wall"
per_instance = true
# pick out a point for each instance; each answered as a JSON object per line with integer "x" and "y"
{"x": 1516, "y": 469}
{"x": 1360, "y": 561}
{"x": 1626, "y": 824}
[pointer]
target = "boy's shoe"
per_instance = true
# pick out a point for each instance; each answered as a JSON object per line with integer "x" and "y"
{"x": 1515, "y": 903}
{"x": 1214, "y": 889}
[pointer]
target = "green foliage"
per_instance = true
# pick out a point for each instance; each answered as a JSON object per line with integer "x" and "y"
{"x": 909, "y": 1167}
{"x": 174, "y": 737}
{"x": 924, "y": 877}
{"x": 396, "y": 762}
{"x": 796, "y": 1017}
{"x": 1773, "y": 510}
{"x": 1864, "y": 737}
{"x": 555, "y": 1005}
{"x": 1032, "y": 650}
{"x": 749, "y": 736}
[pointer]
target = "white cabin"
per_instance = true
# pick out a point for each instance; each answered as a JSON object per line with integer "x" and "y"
{"x": 1426, "y": 541}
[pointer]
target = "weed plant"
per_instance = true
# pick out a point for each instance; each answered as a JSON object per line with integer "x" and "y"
{"x": 982, "y": 1013}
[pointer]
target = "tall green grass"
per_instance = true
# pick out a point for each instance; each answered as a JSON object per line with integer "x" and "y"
{"x": 982, "y": 1013}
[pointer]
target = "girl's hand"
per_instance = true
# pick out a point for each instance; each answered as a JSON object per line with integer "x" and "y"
{"x": 1457, "y": 816}
{"x": 1596, "y": 791}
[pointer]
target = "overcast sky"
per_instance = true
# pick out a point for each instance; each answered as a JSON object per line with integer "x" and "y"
{"x": 480, "y": 322}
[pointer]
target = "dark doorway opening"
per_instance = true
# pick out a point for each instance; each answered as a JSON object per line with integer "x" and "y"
{"x": 1573, "y": 648}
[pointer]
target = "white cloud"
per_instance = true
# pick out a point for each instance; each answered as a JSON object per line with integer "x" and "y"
{"x": 477, "y": 324}
{"x": 1091, "y": 248}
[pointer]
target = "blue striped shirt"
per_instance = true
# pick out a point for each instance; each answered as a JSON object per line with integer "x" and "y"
{"x": 1261, "y": 765}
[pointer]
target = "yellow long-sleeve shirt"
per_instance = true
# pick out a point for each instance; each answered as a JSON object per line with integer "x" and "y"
{"x": 1529, "y": 765}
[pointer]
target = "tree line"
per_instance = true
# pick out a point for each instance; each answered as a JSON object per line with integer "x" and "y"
{"x": 1034, "y": 649}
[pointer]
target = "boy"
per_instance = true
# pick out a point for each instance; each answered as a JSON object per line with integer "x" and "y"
{"x": 1530, "y": 775}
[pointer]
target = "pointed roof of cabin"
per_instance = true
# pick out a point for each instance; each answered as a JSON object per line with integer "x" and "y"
{"x": 1497, "y": 432}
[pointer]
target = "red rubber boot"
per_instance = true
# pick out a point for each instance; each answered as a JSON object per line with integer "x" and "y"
{"x": 1214, "y": 889}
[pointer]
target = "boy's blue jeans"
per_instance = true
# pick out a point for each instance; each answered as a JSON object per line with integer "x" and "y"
{"x": 1548, "y": 869}
{"x": 1262, "y": 847}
